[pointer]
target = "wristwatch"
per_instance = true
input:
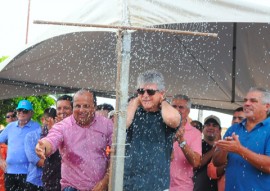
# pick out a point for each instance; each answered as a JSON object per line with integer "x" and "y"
{"x": 182, "y": 144}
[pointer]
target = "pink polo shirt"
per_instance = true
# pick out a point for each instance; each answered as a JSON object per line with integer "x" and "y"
{"x": 83, "y": 151}
{"x": 181, "y": 172}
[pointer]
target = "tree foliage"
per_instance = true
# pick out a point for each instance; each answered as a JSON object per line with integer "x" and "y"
{"x": 40, "y": 103}
{"x": 3, "y": 58}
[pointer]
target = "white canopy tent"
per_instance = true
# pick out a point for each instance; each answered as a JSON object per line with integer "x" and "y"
{"x": 63, "y": 58}
{"x": 214, "y": 72}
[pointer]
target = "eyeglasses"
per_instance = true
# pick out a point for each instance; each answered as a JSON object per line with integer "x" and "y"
{"x": 179, "y": 106}
{"x": 240, "y": 118}
{"x": 9, "y": 116}
{"x": 150, "y": 92}
{"x": 25, "y": 111}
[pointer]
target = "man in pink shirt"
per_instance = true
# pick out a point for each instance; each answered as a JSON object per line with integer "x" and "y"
{"x": 187, "y": 149}
{"x": 82, "y": 139}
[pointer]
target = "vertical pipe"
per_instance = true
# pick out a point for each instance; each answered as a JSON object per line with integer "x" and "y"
{"x": 200, "y": 115}
{"x": 118, "y": 148}
{"x": 119, "y": 139}
{"x": 27, "y": 22}
{"x": 234, "y": 62}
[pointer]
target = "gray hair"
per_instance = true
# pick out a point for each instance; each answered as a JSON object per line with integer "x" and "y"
{"x": 151, "y": 77}
{"x": 83, "y": 91}
{"x": 183, "y": 97}
{"x": 265, "y": 94}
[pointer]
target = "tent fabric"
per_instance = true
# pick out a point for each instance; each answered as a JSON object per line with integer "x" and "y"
{"x": 140, "y": 13}
{"x": 200, "y": 67}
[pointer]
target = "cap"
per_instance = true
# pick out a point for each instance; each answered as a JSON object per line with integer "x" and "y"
{"x": 212, "y": 118}
{"x": 25, "y": 104}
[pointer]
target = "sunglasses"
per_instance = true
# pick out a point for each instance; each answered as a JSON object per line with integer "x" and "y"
{"x": 9, "y": 116}
{"x": 150, "y": 92}
{"x": 25, "y": 111}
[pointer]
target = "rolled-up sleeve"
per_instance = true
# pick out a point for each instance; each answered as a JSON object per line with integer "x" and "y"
{"x": 55, "y": 136}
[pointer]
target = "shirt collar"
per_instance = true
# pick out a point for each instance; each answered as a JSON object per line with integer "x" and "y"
{"x": 73, "y": 121}
{"x": 26, "y": 125}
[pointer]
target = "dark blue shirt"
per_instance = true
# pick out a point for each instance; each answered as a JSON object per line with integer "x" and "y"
{"x": 148, "y": 152}
{"x": 240, "y": 174}
{"x": 201, "y": 180}
{"x": 17, "y": 162}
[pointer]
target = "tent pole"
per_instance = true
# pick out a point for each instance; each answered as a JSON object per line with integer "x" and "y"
{"x": 119, "y": 139}
{"x": 234, "y": 62}
{"x": 145, "y": 29}
{"x": 27, "y": 23}
{"x": 119, "y": 135}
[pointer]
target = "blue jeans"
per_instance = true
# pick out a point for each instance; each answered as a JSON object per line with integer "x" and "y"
{"x": 70, "y": 189}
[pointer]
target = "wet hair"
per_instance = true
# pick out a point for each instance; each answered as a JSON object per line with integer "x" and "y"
{"x": 66, "y": 98}
{"x": 198, "y": 125}
{"x": 132, "y": 97}
{"x": 265, "y": 94}
{"x": 105, "y": 106}
{"x": 151, "y": 77}
{"x": 50, "y": 112}
{"x": 183, "y": 97}
{"x": 239, "y": 109}
{"x": 82, "y": 91}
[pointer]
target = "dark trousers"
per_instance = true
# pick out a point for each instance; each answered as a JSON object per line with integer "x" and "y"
{"x": 15, "y": 182}
{"x": 70, "y": 189}
{"x": 32, "y": 187}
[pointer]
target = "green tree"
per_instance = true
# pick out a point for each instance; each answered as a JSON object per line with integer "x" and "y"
{"x": 3, "y": 58}
{"x": 40, "y": 103}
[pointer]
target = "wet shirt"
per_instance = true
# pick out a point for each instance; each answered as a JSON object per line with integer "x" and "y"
{"x": 34, "y": 172}
{"x": 148, "y": 151}
{"x": 181, "y": 169}
{"x": 84, "y": 161}
{"x": 17, "y": 162}
{"x": 201, "y": 180}
{"x": 240, "y": 174}
{"x": 52, "y": 169}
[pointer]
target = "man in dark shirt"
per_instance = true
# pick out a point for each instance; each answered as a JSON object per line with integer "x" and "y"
{"x": 52, "y": 166}
{"x": 211, "y": 131}
{"x": 151, "y": 123}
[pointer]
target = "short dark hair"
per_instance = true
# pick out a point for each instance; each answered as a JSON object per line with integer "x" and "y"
{"x": 105, "y": 106}
{"x": 66, "y": 98}
{"x": 198, "y": 125}
{"x": 239, "y": 109}
{"x": 50, "y": 112}
{"x": 14, "y": 113}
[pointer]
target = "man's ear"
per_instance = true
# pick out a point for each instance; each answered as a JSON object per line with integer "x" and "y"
{"x": 163, "y": 93}
{"x": 267, "y": 106}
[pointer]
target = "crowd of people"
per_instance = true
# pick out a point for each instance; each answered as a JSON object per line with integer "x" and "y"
{"x": 165, "y": 149}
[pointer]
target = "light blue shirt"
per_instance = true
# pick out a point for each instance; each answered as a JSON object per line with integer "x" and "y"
{"x": 34, "y": 174}
{"x": 17, "y": 162}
